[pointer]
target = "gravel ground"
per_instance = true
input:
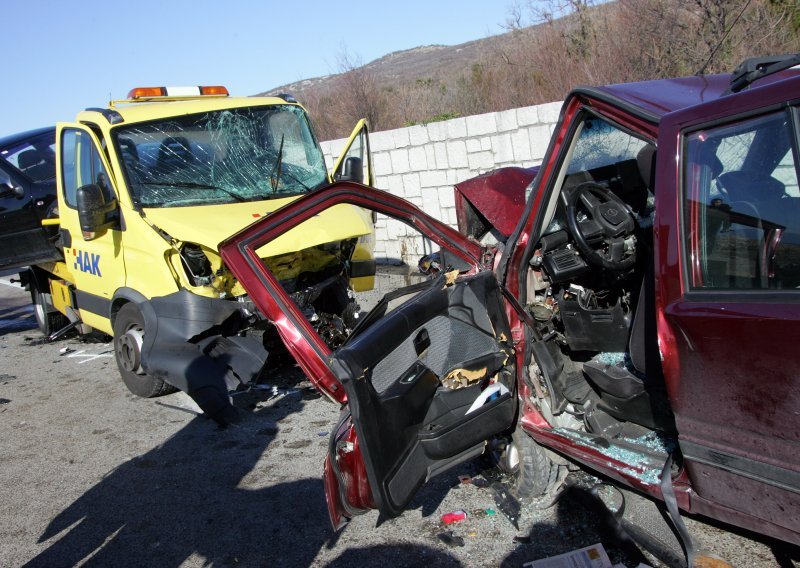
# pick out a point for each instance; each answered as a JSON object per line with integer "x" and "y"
{"x": 95, "y": 476}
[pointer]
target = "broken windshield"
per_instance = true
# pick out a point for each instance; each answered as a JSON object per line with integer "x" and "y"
{"x": 226, "y": 156}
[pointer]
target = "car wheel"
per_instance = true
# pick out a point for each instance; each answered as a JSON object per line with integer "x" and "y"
{"x": 534, "y": 473}
{"x": 128, "y": 338}
{"x": 48, "y": 318}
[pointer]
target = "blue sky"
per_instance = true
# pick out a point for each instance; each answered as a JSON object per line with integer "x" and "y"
{"x": 63, "y": 56}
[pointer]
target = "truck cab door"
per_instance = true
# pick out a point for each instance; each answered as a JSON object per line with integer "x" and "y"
{"x": 96, "y": 263}
{"x": 355, "y": 161}
{"x": 355, "y": 164}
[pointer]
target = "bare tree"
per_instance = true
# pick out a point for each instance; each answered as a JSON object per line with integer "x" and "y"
{"x": 553, "y": 46}
{"x": 361, "y": 97}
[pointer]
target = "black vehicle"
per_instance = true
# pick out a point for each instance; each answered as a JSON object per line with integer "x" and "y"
{"x": 27, "y": 196}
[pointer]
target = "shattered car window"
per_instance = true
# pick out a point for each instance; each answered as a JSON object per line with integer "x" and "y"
{"x": 600, "y": 143}
{"x": 225, "y": 156}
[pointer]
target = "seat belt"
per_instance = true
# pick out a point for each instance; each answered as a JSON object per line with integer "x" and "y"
{"x": 674, "y": 514}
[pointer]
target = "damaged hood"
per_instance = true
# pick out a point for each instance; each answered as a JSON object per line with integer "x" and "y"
{"x": 208, "y": 225}
{"x": 498, "y": 195}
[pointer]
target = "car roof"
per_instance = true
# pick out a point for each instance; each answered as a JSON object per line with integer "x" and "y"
{"x": 654, "y": 99}
{"x": 14, "y": 139}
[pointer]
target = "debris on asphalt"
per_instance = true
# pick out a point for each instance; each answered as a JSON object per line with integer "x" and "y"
{"x": 321, "y": 434}
{"x": 479, "y": 482}
{"x": 66, "y": 351}
{"x": 465, "y": 479}
{"x": 592, "y": 557}
{"x": 454, "y": 517}
{"x": 480, "y": 513}
{"x": 506, "y": 503}
{"x": 272, "y": 391}
{"x": 451, "y": 539}
{"x": 181, "y": 408}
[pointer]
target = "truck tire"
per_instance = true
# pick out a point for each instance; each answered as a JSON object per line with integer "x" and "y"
{"x": 534, "y": 474}
{"x": 128, "y": 337}
{"x": 48, "y": 318}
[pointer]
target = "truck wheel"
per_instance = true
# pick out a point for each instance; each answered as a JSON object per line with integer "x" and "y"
{"x": 128, "y": 337}
{"x": 48, "y": 318}
{"x": 534, "y": 473}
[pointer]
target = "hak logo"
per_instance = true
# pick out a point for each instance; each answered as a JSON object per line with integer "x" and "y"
{"x": 86, "y": 262}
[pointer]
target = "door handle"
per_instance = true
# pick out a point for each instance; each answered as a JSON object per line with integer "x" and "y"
{"x": 422, "y": 341}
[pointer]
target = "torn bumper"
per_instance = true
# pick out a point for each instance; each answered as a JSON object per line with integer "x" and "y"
{"x": 192, "y": 343}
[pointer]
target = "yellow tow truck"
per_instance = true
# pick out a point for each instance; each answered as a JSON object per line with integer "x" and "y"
{"x": 146, "y": 189}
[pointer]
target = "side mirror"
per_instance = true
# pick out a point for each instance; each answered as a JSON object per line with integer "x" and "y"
{"x": 8, "y": 189}
{"x": 94, "y": 214}
{"x": 353, "y": 170}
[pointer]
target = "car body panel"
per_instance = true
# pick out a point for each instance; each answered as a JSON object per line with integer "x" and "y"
{"x": 727, "y": 364}
{"x": 499, "y": 196}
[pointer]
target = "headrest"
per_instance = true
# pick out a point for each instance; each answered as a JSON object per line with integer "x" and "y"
{"x": 646, "y": 161}
{"x": 28, "y": 159}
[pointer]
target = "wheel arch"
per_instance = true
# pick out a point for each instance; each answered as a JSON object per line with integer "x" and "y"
{"x": 38, "y": 277}
{"x": 122, "y": 297}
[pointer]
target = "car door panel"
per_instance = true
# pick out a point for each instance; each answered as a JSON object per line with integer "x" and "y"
{"x": 449, "y": 328}
{"x": 398, "y": 377}
{"x": 23, "y": 240}
{"x": 725, "y": 324}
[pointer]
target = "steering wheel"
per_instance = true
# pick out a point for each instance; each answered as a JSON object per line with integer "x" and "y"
{"x": 610, "y": 221}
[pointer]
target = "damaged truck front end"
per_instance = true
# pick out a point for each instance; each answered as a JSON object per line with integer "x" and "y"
{"x": 146, "y": 190}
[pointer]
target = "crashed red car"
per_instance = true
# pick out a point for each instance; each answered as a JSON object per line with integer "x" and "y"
{"x": 637, "y": 315}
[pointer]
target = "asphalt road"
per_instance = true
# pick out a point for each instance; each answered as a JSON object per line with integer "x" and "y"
{"x": 93, "y": 476}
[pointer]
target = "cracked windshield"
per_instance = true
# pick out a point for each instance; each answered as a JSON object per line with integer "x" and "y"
{"x": 225, "y": 156}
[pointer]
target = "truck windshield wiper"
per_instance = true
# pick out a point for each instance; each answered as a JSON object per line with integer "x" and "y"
{"x": 298, "y": 181}
{"x": 195, "y": 185}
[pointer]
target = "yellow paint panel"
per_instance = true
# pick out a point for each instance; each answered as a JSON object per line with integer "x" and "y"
{"x": 61, "y": 296}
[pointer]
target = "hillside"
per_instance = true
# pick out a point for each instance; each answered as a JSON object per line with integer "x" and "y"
{"x": 597, "y": 43}
{"x": 408, "y": 66}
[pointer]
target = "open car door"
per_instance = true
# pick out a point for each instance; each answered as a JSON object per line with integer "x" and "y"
{"x": 427, "y": 376}
{"x": 355, "y": 161}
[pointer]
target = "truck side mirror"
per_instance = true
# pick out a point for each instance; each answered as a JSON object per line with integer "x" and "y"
{"x": 353, "y": 170}
{"x": 8, "y": 189}
{"x": 94, "y": 214}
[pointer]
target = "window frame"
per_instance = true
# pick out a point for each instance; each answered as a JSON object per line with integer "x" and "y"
{"x": 737, "y": 295}
{"x": 97, "y": 157}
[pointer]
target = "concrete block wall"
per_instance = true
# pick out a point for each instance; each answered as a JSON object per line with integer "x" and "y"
{"x": 422, "y": 163}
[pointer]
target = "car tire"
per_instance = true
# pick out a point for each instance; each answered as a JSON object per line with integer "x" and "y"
{"x": 48, "y": 318}
{"x": 535, "y": 474}
{"x": 129, "y": 333}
